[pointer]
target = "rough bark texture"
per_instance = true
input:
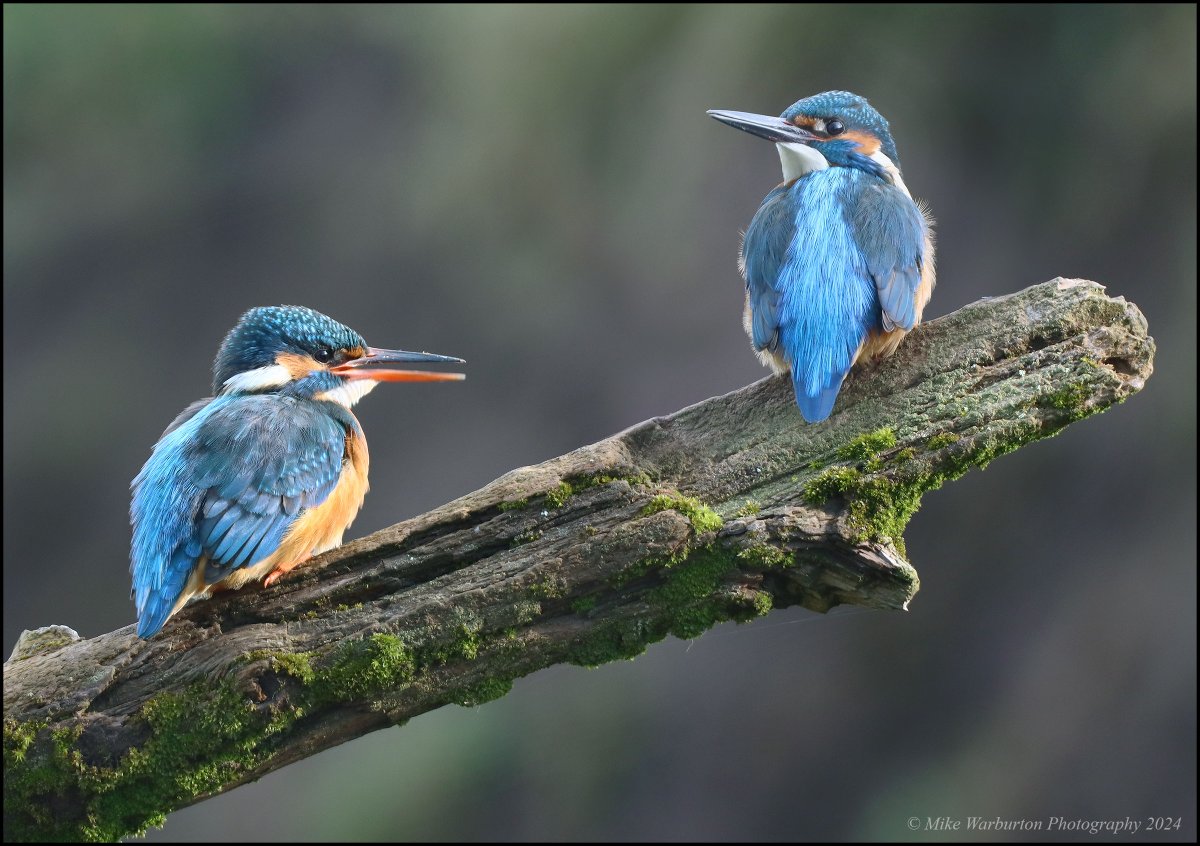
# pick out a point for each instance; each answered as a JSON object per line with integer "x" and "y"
{"x": 721, "y": 511}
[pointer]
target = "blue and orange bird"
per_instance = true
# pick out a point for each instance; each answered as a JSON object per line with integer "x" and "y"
{"x": 269, "y": 471}
{"x": 838, "y": 259}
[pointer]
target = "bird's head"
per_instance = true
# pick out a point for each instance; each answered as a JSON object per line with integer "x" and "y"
{"x": 835, "y": 128}
{"x": 301, "y": 352}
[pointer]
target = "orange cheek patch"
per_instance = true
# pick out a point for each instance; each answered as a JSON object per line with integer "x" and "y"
{"x": 297, "y": 365}
{"x": 868, "y": 145}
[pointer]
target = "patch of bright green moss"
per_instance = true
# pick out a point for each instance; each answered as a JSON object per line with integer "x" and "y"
{"x": 198, "y": 741}
{"x": 512, "y": 505}
{"x": 362, "y": 669}
{"x": 688, "y": 593}
{"x": 558, "y": 496}
{"x": 703, "y": 518}
{"x": 943, "y": 439}
{"x": 880, "y": 506}
{"x": 485, "y": 691}
{"x": 765, "y": 556}
{"x": 834, "y": 482}
{"x": 1070, "y": 399}
{"x": 749, "y": 509}
{"x": 867, "y": 446}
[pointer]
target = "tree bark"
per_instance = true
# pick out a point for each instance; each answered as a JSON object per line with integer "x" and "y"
{"x": 721, "y": 511}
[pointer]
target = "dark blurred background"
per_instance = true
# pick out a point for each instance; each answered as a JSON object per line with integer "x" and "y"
{"x": 538, "y": 190}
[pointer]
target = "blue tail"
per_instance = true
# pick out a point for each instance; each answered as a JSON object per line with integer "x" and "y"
{"x": 816, "y": 408}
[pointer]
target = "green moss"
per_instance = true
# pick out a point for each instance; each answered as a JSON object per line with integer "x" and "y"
{"x": 943, "y": 439}
{"x": 614, "y": 640}
{"x": 766, "y": 557}
{"x": 527, "y": 611}
{"x": 205, "y": 737}
{"x": 298, "y": 665}
{"x": 880, "y": 505}
{"x": 514, "y": 504}
{"x": 575, "y": 485}
{"x": 551, "y": 587}
{"x": 906, "y": 454}
{"x": 703, "y": 518}
{"x": 749, "y": 509}
{"x": 834, "y": 482}
{"x": 583, "y": 605}
{"x": 486, "y": 691}
{"x": 760, "y": 605}
{"x": 689, "y": 593}
{"x": 558, "y": 497}
{"x": 198, "y": 740}
{"x": 867, "y": 446}
{"x": 1070, "y": 399}
{"x": 362, "y": 669}
{"x": 526, "y": 537}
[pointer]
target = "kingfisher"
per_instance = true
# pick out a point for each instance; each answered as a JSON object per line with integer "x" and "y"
{"x": 266, "y": 473}
{"x": 838, "y": 259}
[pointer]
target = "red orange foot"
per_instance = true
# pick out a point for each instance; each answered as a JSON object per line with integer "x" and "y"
{"x": 283, "y": 570}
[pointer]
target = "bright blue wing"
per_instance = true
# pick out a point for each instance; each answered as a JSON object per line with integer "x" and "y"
{"x": 890, "y": 232}
{"x": 763, "y": 251}
{"x": 828, "y": 258}
{"x": 226, "y": 484}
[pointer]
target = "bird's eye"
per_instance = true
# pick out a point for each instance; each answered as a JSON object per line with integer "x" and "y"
{"x": 835, "y": 127}
{"x": 323, "y": 355}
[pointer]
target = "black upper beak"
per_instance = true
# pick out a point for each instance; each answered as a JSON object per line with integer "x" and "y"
{"x": 764, "y": 126}
{"x": 364, "y": 368}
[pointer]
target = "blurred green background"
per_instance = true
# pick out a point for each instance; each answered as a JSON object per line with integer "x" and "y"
{"x": 538, "y": 190}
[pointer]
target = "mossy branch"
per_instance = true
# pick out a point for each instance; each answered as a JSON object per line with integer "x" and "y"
{"x": 721, "y": 511}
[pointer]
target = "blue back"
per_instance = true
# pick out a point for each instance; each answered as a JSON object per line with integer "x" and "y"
{"x": 227, "y": 483}
{"x": 828, "y": 258}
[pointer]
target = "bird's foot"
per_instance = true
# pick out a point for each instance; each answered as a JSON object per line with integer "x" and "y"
{"x": 282, "y": 570}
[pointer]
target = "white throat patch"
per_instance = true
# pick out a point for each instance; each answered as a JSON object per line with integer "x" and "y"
{"x": 259, "y": 379}
{"x": 349, "y": 393}
{"x": 890, "y": 168}
{"x": 799, "y": 159}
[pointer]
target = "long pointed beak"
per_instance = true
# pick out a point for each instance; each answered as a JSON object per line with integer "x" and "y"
{"x": 367, "y": 367}
{"x": 764, "y": 126}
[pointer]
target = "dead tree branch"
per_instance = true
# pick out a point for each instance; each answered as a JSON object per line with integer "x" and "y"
{"x": 718, "y": 512}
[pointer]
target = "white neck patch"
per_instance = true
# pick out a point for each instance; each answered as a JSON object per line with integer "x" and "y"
{"x": 259, "y": 379}
{"x": 889, "y": 166}
{"x": 349, "y": 393}
{"x": 798, "y": 159}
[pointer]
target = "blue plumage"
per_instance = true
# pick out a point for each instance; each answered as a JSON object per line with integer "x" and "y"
{"x": 227, "y": 484}
{"x": 838, "y": 259}
{"x": 243, "y": 483}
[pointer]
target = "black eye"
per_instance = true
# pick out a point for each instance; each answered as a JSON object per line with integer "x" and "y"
{"x": 835, "y": 127}
{"x": 323, "y": 355}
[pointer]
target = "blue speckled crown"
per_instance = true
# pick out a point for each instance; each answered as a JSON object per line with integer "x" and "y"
{"x": 852, "y": 110}
{"x": 264, "y": 332}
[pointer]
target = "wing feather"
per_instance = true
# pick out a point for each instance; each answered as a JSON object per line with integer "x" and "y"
{"x": 223, "y": 487}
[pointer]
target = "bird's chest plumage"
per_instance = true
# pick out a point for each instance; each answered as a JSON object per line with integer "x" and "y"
{"x": 321, "y": 527}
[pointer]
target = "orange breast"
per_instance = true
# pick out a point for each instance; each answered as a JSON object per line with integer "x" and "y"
{"x": 321, "y": 527}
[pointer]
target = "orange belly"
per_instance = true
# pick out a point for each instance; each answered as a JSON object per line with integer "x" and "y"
{"x": 321, "y": 527}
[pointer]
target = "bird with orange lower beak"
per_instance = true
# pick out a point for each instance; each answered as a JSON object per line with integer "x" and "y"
{"x": 268, "y": 472}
